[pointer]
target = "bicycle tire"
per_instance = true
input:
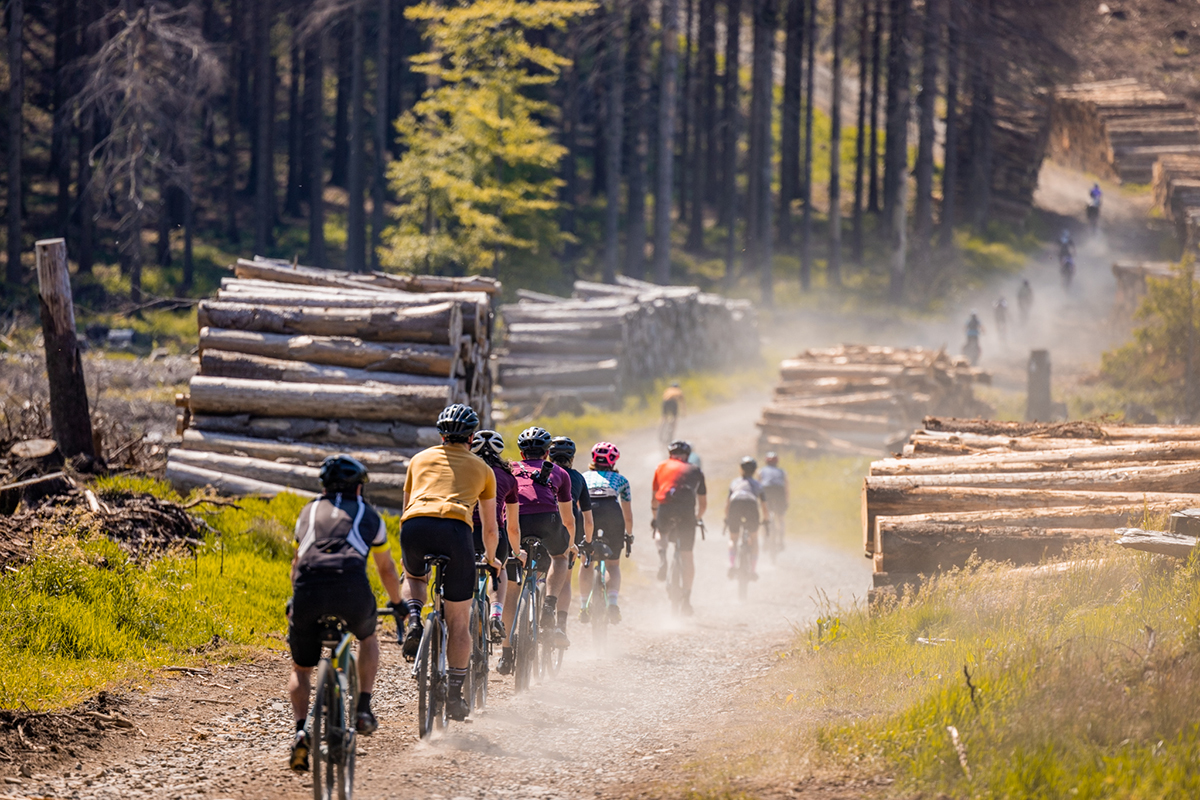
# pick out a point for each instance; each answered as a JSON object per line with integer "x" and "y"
{"x": 426, "y": 702}
{"x": 743, "y": 569}
{"x": 675, "y": 581}
{"x": 525, "y": 642}
{"x": 346, "y": 713}
{"x": 320, "y": 748}
{"x": 477, "y": 674}
{"x": 600, "y": 620}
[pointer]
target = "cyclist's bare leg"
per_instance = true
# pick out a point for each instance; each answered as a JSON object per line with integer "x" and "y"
{"x": 614, "y": 576}
{"x": 500, "y": 587}
{"x": 587, "y": 576}
{"x": 458, "y": 623}
{"x": 368, "y": 662}
{"x": 689, "y": 572}
{"x": 299, "y": 688}
{"x": 754, "y": 549}
{"x": 558, "y": 582}
{"x": 414, "y": 587}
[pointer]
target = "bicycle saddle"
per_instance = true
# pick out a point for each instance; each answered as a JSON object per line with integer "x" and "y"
{"x": 601, "y": 551}
{"x": 333, "y": 628}
{"x": 539, "y": 556}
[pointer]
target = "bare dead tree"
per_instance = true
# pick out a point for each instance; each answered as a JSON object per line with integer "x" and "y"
{"x": 148, "y": 80}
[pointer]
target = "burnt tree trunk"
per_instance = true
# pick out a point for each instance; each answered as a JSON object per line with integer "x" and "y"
{"x": 264, "y": 184}
{"x": 873, "y": 146}
{"x": 638, "y": 69}
{"x": 860, "y": 136}
{"x": 383, "y": 60}
{"x": 87, "y": 141}
{"x": 341, "y": 120}
{"x": 703, "y": 160}
{"x": 314, "y": 141}
{"x": 69, "y": 415}
{"x": 806, "y": 235}
{"x": 295, "y": 142}
{"x": 613, "y": 127}
{"x": 979, "y": 184}
{"x": 667, "y": 102}
{"x": 16, "y": 123}
{"x": 834, "y": 270}
{"x": 758, "y": 226}
{"x": 356, "y": 213}
{"x": 930, "y": 53}
{"x": 789, "y": 123}
{"x": 899, "y": 101}
{"x": 950, "y": 167}
{"x": 730, "y": 125}
{"x": 236, "y": 54}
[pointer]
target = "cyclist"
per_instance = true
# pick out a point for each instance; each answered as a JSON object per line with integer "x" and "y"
{"x": 742, "y": 507}
{"x": 680, "y": 500}
{"x": 1066, "y": 245}
{"x": 544, "y": 492}
{"x": 775, "y": 491}
{"x": 334, "y": 534}
{"x": 612, "y": 507}
{"x": 1001, "y": 312}
{"x": 489, "y": 445}
{"x": 672, "y": 407}
{"x": 562, "y": 453}
{"x": 1025, "y": 300}
{"x": 1095, "y": 196}
{"x": 443, "y": 485}
{"x": 974, "y": 327}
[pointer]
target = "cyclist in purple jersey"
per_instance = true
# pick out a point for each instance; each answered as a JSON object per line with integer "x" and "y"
{"x": 489, "y": 445}
{"x": 546, "y": 513}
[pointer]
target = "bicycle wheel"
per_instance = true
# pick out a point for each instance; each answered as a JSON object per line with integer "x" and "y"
{"x": 525, "y": 644}
{"x": 347, "y": 713}
{"x": 552, "y": 657}
{"x": 600, "y": 611}
{"x": 675, "y": 581}
{"x": 477, "y": 674}
{"x": 427, "y": 706}
{"x": 743, "y": 568}
{"x": 324, "y": 779}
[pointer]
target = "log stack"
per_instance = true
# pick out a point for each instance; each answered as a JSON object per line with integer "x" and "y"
{"x": 298, "y": 363}
{"x": 609, "y": 339}
{"x": 1119, "y": 129}
{"x": 1131, "y": 283}
{"x": 1176, "y": 181}
{"x": 860, "y": 400}
{"x": 1018, "y": 492}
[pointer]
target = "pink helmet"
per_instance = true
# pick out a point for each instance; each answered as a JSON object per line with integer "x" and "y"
{"x": 606, "y": 453}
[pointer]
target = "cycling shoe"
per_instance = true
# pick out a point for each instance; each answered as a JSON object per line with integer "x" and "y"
{"x": 366, "y": 723}
{"x": 300, "y": 747}
{"x": 412, "y": 640}
{"x": 497, "y": 629}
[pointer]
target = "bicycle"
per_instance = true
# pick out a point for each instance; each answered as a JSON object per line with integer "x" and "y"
{"x": 331, "y": 719}
{"x": 481, "y": 643}
{"x": 598, "y": 616}
{"x": 431, "y": 669}
{"x": 523, "y": 638}
{"x": 743, "y": 565}
{"x": 552, "y": 651}
{"x": 675, "y": 574}
{"x": 773, "y": 535}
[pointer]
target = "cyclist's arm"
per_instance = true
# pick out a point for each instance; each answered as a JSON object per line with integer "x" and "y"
{"x": 389, "y": 576}
{"x": 702, "y": 505}
{"x": 589, "y": 525}
{"x": 566, "y": 513}
{"x": 627, "y": 513}
{"x": 491, "y": 533}
{"x": 513, "y": 524}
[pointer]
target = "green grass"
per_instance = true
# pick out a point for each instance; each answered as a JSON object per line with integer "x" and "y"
{"x": 825, "y": 503}
{"x": 1080, "y": 683}
{"x": 83, "y": 616}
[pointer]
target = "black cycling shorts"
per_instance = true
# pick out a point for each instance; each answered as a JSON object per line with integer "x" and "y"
{"x": 743, "y": 515}
{"x": 609, "y": 525}
{"x": 549, "y": 528}
{"x": 503, "y": 548}
{"x": 776, "y": 497}
{"x": 313, "y": 598}
{"x": 670, "y": 408}
{"x": 677, "y": 523}
{"x": 435, "y": 536}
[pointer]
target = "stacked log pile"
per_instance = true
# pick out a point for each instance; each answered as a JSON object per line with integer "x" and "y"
{"x": 609, "y": 339}
{"x": 1131, "y": 283}
{"x": 1176, "y": 182}
{"x": 860, "y": 400}
{"x": 1119, "y": 129}
{"x": 297, "y": 364}
{"x": 1018, "y": 492}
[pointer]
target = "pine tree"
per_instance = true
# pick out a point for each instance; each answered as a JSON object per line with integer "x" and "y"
{"x": 479, "y": 178}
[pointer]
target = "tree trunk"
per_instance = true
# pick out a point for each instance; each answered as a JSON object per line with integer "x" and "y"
{"x": 687, "y": 113}
{"x": 341, "y": 120}
{"x": 979, "y": 186}
{"x": 314, "y": 73}
{"x": 189, "y": 231}
{"x": 16, "y": 124}
{"x": 295, "y": 142}
{"x": 860, "y": 136}
{"x": 225, "y": 364}
{"x": 416, "y": 405}
{"x": 383, "y": 61}
{"x": 346, "y": 432}
{"x": 162, "y": 250}
{"x": 873, "y": 147}
{"x": 356, "y": 216}
{"x": 440, "y": 323}
{"x": 667, "y": 102}
{"x": 383, "y": 460}
{"x": 264, "y": 183}
{"x": 806, "y": 232}
{"x": 758, "y": 222}
{"x": 186, "y": 477}
{"x": 789, "y": 123}
{"x": 69, "y": 413}
{"x": 236, "y": 55}
{"x": 834, "y": 271}
{"x": 730, "y": 126}
{"x": 703, "y": 158}
{"x": 895, "y": 155}
{"x": 338, "y": 351}
{"x": 944, "y": 546}
{"x": 950, "y": 157}
{"x": 1083, "y": 457}
{"x": 66, "y": 46}
{"x": 613, "y": 126}
{"x": 1174, "y": 477}
{"x": 87, "y": 141}
{"x": 639, "y": 145}
{"x": 930, "y": 53}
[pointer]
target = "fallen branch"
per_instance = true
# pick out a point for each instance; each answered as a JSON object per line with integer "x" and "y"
{"x": 188, "y": 670}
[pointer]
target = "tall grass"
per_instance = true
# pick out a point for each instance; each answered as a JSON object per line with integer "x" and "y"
{"x": 1078, "y": 681}
{"x": 83, "y": 615}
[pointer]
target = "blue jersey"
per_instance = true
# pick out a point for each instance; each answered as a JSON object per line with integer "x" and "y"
{"x": 607, "y": 485}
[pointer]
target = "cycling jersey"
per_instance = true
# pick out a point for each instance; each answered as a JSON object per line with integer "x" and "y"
{"x": 678, "y": 482}
{"x": 334, "y": 533}
{"x": 607, "y": 484}
{"x": 506, "y": 493}
{"x": 541, "y": 498}
{"x": 581, "y": 501}
{"x": 745, "y": 489}
{"x": 772, "y": 476}
{"x": 607, "y": 489}
{"x": 446, "y": 482}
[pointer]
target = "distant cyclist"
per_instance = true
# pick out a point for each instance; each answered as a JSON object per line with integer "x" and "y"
{"x": 612, "y": 508}
{"x": 334, "y": 535}
{"x": 562, "y": 453}
{"x": 1025, "y": 300}
{"x": 546, "y": 513}
{"x": 443, "y": 485}
{"x": 1066, "y": 245}
{"x": 1001, "y": 313}
{"x": 672, "y": 407}
{"x": 974, "y": 328}
{"x": 742, "y": 514}
{"x": 775, "y": 491}
{"x": 679, "y": 502}
{"x": 489, "y": 445}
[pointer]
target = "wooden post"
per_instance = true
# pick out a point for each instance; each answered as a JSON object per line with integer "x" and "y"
{"x": 68, "y": 391}
{"x": 1039, "y": 407}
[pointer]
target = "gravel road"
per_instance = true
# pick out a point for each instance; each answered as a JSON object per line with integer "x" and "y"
{"x": 610, "y": 724}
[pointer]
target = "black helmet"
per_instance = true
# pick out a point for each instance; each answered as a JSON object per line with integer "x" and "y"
{"x": 749, "y": 465}
{"x": 562, "y": 449}
{"x": 487, "y": 442}
{"x": 535, "y": 441}
{"x": 342, "y": 473}
{"x": 679, "y": 448}
{"x": 456, "y": 423}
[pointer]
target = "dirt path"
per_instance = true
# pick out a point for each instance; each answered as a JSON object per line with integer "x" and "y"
{"x": 607, "y": 726}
